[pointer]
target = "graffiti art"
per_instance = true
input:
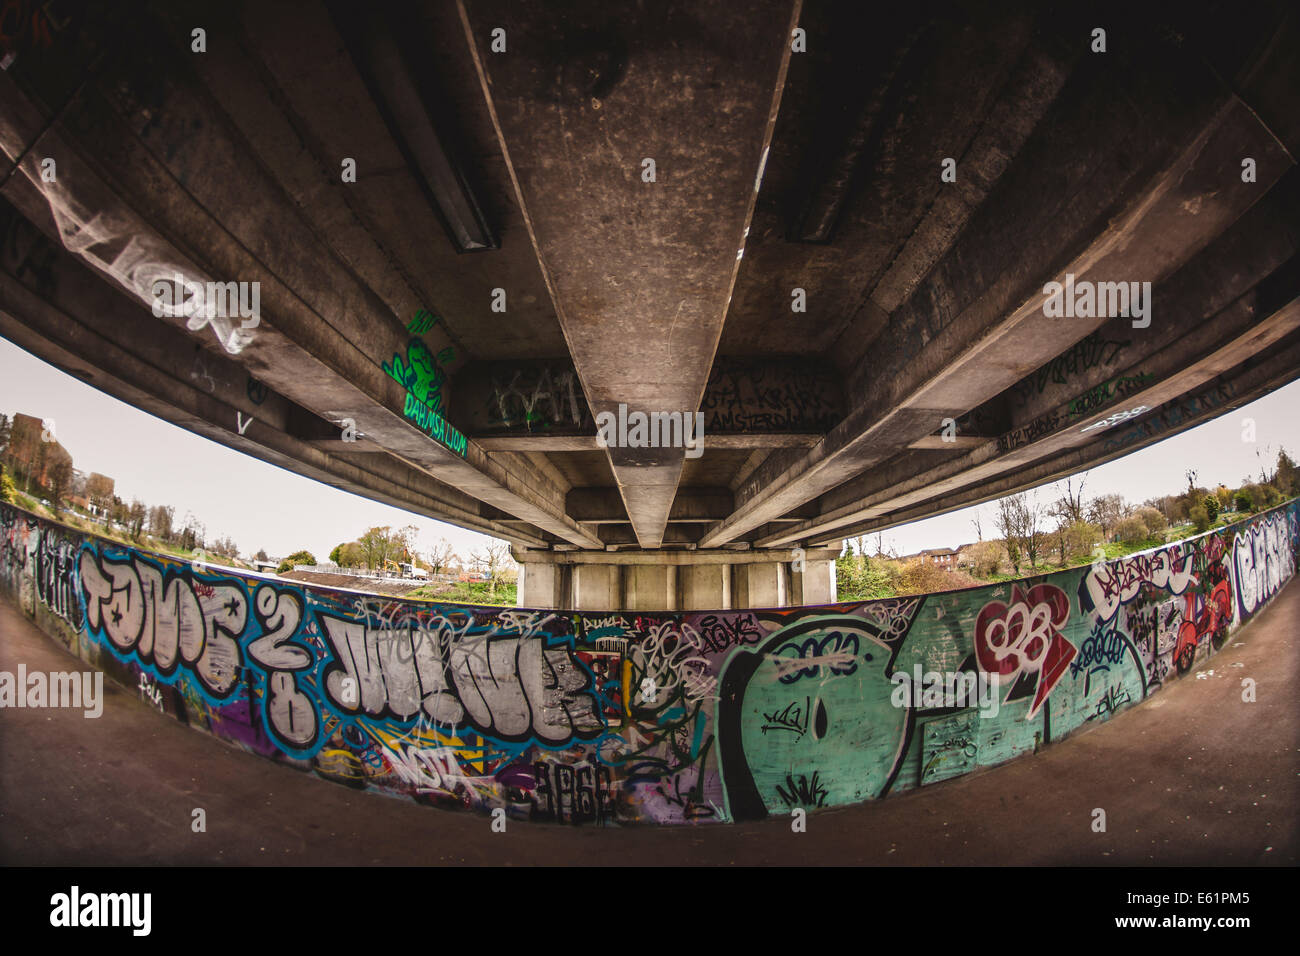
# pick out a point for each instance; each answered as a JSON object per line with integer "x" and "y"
{"x": 620, "y": 718}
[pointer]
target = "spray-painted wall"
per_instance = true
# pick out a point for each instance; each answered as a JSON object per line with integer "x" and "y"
{"x": 669, "y": 718}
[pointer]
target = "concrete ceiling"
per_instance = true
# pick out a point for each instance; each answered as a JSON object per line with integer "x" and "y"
{"x": 503, "y": 270}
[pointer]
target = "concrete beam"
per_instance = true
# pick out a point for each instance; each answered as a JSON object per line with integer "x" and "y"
{"x": 1262, "y": 374}
{"x": 1250, "y": 275}
{"x": 1144, "y": 212}
{"x": 57, "y": 307}
{"x": 559, "y": 444}
{"x": 292, "y": 348}
{"x": 640, "y": 271}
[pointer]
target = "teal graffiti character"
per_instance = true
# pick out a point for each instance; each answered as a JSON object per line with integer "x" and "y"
{"x": 805, "y": 719}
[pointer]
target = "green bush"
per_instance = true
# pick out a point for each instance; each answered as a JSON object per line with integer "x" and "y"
{"x": 1133, "y": 530}
{"x": 1211, "y": 505}
{"x": 1154, "y": 520}
{"x": 1200, "y": 518}
{"x": 298, "y": 557}
{"x": 858, "y": 578}
{"x": 986, "y": 558}
{"x": 1243, "y": 502}
{"x": 7, "y": 490}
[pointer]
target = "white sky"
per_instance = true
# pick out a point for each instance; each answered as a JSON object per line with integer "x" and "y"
{"x": 262, "y": 506}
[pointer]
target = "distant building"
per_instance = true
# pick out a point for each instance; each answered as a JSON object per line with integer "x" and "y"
{"x": 946, "y": 558}
{"x": 30, "y": 456}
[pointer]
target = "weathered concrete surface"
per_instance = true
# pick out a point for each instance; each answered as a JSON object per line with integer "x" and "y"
{"x": 1192, "y": 777}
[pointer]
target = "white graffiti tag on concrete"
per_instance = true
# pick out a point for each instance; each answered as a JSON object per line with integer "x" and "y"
{"x": 166, "y": 619}
{"x": 125, "y": 248}
{"x": 1263, "y": 561}
{"x": 1116, "y": 583}
{"x": 510, "y": 687}
{"x": 290, "y": 712}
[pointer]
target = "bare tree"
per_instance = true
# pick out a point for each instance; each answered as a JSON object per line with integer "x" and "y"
{"x": 1107, "y": 511}
{"x": 135, "y": 518}
{"x": 1070, "y": 507}
{"x": 440, "y": 556}
{"x": 492, "y": 558}
{"x": 1265, "y": 457}
{"x": 1018, "y": 519}
{"x": 60, "y": 476}
{"x": 160, "y": 521}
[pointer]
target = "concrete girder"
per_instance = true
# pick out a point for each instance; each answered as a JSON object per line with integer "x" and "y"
{"x": 977, "y": 337}
{"x": 330, "y": 375}
{"x": 1235, "y": 298}
{"x": 56, "y": 307}
{"x": 990, "y": 460}
{"x": 640, "y": 272}
{"x": 1262, "y": 374}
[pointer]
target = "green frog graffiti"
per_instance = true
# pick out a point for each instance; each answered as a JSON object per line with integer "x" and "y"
{"x": 422, "y": 377}
{"x": 420, "y": 373}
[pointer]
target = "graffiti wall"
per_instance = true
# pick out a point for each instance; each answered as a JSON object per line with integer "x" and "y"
{"x": 699, "y": 717}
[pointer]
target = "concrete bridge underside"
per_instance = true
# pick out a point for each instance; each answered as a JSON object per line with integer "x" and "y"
{"x": 867, "y": 341}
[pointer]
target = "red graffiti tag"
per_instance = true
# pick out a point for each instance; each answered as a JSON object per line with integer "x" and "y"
{"x": 1025, "y": 639}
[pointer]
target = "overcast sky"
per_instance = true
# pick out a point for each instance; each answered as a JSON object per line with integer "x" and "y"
{"x": 262, "y": 506}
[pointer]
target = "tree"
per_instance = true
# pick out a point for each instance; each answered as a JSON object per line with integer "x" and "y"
{"x": 160, "y": 521}
{"x": 117, "y": 513}
{"x": 226, "y": 548}
{"x": 261, "y": 555}
{"x": 298, "y": 557}
{"x": 1080, "y": 538}
{"x": 135, "y": 518}
{"x": 920, "y": 576}
{"x": 59, "y": 477}
{"x": 7, "y": 490}
{"x": 1154, "y": 520}
{"x": 1263, "y": 455}
{"x": 1190, "y": 474}
{"x": 6, "y": 432}
{"x": 376, "y": 546}
{"x": 1200, "y": 518}
{"x": 440, "y": 556}
{"x": 1107, "y": 511}
{"x": 986, "y": 558}
{"x": 99, "y": 492}
{"x": 1070, "y": 507}
{"x": 1131, "y": 530}
{"x": 1211, "y": 506}
{"x": 1017, "y": 520}
{"x": 491, "y": 558}
{"x": 192, "y": 536}
{"x": 1286, "y": 478}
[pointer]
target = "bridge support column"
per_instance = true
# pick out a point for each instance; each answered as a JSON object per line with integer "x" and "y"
{"x": 675, "y": 580}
